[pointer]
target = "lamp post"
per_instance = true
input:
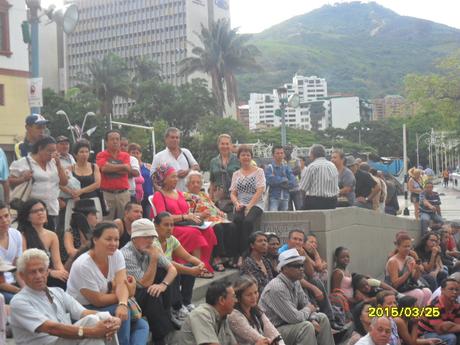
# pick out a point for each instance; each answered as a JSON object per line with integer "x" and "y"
{"x": 63, "y": 113}
{"x": 66, "y": 17}
{"x": 89, "y": 113}
{"x": 406, "y": 178}
{"x": 417, "y": 141}
{"x": 282, "y": 98}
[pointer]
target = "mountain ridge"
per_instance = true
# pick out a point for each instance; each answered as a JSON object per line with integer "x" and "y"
{"x": 360, "y": 48}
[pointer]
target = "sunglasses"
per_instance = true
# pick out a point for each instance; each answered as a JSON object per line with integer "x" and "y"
{"x": 298, "y": 266}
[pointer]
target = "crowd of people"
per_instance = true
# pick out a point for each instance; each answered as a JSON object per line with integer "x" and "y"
{"x": 107, "y": 250}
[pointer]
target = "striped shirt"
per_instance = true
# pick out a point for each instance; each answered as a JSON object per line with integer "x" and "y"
{"x": 137, "y": 262}
{"x": 428, "y": 324}
{"x": 284, "y": 302}
{"x": 321, "y": 179}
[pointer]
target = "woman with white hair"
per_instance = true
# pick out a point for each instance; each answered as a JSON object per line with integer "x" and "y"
{"x": 200, "y": 203}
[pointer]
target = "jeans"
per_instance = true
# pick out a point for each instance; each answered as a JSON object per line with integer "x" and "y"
{"x": 426, "y": 218}
{"x": 131, "y": 332}
{"x": 295, "y": 200}
{"x": 7, "y": 295}
{"x": 449, "y": 338}
{"x": 277, "y": 204}
{"x": 182, "y": 290}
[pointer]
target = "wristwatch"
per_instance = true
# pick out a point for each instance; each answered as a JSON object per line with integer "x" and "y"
{"x": 80, "y": 332}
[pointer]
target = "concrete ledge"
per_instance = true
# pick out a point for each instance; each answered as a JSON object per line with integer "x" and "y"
{"x": 201, "y": 285}
{"x": 368, "y": 234}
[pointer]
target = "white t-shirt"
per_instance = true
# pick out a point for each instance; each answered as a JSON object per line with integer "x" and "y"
{"x": 85, "y": 274}
{"x": 134, "y": 166}
{"x": 183, "y": 162}
{"x": 46, "y": 182}
{"x": 10, "y": 254}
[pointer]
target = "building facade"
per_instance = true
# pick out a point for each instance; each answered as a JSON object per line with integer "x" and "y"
{"x": 390, "y": 105}
{"x": 162, "y": 30}
{"x": 262, "y": 106}
{"x": 14, "y": 73}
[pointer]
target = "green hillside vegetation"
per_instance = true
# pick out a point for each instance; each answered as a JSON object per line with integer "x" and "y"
{"x": 360, "y": 48}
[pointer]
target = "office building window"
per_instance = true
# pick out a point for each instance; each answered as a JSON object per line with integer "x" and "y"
{"x": 4, "y": 28}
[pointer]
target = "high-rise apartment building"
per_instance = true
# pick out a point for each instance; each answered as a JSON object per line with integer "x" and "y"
{"x": 163, "y": 30}
{"x": 262, "y": 106}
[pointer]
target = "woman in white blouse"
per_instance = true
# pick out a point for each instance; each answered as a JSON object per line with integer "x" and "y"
{"x": 98, "y": 281}
{"x": 247, "y": 322}
{"x": 43, "y": 166}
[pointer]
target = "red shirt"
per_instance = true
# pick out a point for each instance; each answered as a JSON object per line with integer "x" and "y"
{"x": 451, "y": 245}
{"x": 113, "y": 181}
{"x": 427, "y": 324}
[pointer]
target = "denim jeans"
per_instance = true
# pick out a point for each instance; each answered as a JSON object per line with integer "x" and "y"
{"x": 449, "y": 338}
{"x": 425, "y": 219}
{"x": 7, "y": 295}
{"x": 131, "y": 332}
{"x": 278, "y": 204}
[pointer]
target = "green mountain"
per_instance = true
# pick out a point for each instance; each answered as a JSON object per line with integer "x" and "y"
{"x": 360, "y": 48}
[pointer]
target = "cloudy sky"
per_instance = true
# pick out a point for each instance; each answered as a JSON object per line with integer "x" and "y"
{"x": 256, "y": 15}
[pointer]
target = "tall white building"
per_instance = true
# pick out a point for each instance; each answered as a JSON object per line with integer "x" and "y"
{"x": 164, "y": 30}
{"x": 262, "y": 106}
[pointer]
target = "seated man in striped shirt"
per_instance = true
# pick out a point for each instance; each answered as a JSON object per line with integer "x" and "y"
{"x": 320, "y": 181}
{"x": 288, "y": 307}
{"x": 446, "y": 326}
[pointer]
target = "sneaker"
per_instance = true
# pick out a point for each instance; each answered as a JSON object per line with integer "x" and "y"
{"x": 190, "y": 307}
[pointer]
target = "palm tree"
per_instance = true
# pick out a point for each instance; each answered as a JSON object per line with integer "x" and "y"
{"x": 223, "y": 52}
{"x": 108, "y": 79}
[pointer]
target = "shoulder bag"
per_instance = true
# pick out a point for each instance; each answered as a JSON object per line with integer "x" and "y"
{"x": 21, "y": 192}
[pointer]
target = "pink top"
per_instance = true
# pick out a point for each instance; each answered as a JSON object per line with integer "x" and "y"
{"x": 346, "y": 285}
{"x": 162, "y": 203}
{"x": 139, "y": 188}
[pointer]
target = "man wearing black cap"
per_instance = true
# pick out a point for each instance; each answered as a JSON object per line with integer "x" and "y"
{"x": 35, "y": 129}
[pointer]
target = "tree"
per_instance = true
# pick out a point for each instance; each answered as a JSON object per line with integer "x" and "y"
{"x": 181, "y": 106}
{"x": 108, "y": 79}
{"x": 222, "y": 54}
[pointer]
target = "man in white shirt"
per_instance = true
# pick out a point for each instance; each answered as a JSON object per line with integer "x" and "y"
{"x": 379, "y": 332}
{"x": 10, "y": 251}
{"x": 180, "y": 159}
{"x": 135, "y": 168}
{"x": 42, "y": 315}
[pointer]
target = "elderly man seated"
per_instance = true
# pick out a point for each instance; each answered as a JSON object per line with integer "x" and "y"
{"x": 379, "y": 332}
{"x": 288, "y": 308}
{"x": 42, "y": 315}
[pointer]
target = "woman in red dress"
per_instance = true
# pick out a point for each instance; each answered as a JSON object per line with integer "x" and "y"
{"x": 198, "y": 242}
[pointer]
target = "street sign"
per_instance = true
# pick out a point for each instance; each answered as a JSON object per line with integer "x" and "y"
{"x": 35, "y": 86}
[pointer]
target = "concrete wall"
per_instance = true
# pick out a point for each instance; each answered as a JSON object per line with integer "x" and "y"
{"x": 369, "y": 235}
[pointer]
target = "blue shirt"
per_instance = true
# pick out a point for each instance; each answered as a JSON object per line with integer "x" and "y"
{"x": 148, "y": 184}
{"x": 280, "y": 179}
{"x": 4, "y": 172}
{"x": 283, "y": 248}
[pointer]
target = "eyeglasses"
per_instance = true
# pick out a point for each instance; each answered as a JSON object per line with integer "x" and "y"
{"x": 37, "y": 210}
{"x": 298, "y": 266}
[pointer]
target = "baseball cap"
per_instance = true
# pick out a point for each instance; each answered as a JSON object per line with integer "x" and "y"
{"x": 36, "y": 119}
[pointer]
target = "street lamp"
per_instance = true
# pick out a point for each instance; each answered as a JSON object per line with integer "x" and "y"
{"x": 282, "y": 98}
{"x": 89, "y": 113}
{"x": 417, "y": 141}
{"x": 71, "y": 128}
{"x": 66, "y": 17}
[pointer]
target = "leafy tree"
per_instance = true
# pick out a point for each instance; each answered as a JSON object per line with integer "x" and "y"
{"x": 181, "y": 106}
{"x": 222, "y": 54}
{"x": 108, "y": 79}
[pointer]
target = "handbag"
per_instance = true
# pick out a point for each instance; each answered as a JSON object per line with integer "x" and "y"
{"x": 21, "y": 192}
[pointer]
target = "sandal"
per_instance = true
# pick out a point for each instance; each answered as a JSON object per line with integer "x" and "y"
{"x": 218, "y": 266}
{"x": 206, "y": 275}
